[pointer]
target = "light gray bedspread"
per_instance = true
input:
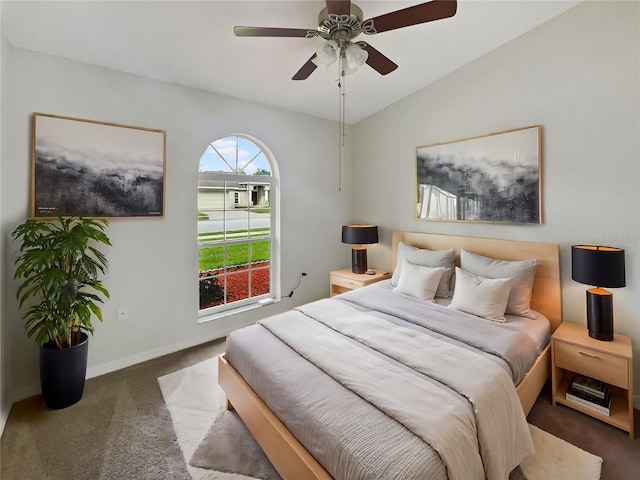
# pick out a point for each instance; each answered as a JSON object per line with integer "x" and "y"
{"x": 499, "y": 425}
{"x": 515, "y": 347}
{"x": 403, "y": 417}
{"x": 349, "y": 437}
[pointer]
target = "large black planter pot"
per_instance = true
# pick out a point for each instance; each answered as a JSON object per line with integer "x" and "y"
{"x": 62, "y": 373}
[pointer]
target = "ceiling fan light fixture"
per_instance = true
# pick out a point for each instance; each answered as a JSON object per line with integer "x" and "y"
{"x": 355, "y": 57}
{"x": 326, "y": 52}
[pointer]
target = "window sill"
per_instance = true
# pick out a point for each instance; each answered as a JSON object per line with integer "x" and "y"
{"x": 233, "y": 311}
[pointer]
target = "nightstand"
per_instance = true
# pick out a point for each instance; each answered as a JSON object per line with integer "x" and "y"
{"x": 344, "y": 280}
{"x": 574, "y": 351}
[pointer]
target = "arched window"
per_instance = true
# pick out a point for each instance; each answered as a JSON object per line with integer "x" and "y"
{"x": 239, "y": 261}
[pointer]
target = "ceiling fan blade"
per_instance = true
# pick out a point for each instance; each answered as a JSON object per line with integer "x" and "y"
{"x": 425, "y": 12}
{"x": 339, "y": 7}
{"x": 306, "y": 70}
{"x": 377, "y": 60}
{"x": 274, "y": 32}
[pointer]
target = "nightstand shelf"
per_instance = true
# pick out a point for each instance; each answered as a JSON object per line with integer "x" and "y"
{"x": 341, "y": 281}
{"x": 574, "y": 352}
{"x": 619, "y": 414}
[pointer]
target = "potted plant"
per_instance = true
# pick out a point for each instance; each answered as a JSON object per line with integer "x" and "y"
{"x": 58, "y": 267}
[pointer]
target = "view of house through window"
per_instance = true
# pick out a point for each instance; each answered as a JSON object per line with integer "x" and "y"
{"x": 235, "y": 224}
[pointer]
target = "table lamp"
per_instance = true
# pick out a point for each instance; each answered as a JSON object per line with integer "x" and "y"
{"x": 359, "y": 235}
{"x": 600, "y": 267}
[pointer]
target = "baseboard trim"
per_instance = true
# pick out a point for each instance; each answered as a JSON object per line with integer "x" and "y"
{"x": 97, "y": 370}
{"x": 3, "y": 419}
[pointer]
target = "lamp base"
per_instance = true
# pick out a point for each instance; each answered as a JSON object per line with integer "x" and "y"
{"x": 358, "y": 259}
{"x": 600, "y": 314}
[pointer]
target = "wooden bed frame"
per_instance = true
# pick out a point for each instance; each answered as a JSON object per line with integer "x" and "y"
{"x": 292, "y": 460}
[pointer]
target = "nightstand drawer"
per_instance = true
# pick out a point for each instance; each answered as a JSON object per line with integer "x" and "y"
{"x": 345, "y": 282}
{"x": 593, "y": 363}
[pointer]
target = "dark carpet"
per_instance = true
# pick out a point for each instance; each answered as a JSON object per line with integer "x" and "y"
{"x": 121, "y": 429}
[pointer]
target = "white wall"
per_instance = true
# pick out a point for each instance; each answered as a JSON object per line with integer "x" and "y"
{"x": 153, "y": 262}
{"x": 578, "y": 75}
{"x": 5, "y": 401}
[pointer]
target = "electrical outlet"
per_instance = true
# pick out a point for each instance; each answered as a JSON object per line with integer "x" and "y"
{"x": 122, "y": 314}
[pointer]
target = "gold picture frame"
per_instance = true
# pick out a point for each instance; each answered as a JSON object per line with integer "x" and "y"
{"x": 94, "y": 169}
{"x": 488, "y": 178}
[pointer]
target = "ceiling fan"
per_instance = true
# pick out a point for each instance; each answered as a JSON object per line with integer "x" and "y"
{"x": 341, "y": 21}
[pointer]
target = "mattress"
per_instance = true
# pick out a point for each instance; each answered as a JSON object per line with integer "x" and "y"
{"x": 352, "y": 435}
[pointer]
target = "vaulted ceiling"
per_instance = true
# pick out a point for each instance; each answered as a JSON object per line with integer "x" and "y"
{"x": 192, "y": 43}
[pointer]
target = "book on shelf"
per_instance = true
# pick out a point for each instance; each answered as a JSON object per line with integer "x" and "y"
{"x": 600, "y": 405}
{"x": 589, "y": 386}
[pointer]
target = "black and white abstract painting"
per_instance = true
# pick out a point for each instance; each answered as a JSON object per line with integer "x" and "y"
{"x": 491, "y": 178}
{"x": 95, "y": 169}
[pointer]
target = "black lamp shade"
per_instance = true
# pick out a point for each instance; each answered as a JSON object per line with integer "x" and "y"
{"x": 598, "y": 266}
{"x": 359, "y": 234}
{"x": 601, "y": 267}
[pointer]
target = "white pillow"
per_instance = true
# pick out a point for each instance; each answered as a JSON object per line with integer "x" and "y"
{"x": 522, "y": 273}
{"x": 418, "y": 281}
{"x": 479, "y": 296}
{"x": 427, "y": 258}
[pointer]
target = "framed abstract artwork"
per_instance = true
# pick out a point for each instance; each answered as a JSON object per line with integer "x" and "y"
{"x": 489, "y": 178}
{"x": 96, "y": 169}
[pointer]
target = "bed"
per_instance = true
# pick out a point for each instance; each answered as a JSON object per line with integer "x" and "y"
{"x": 270, "y": 395}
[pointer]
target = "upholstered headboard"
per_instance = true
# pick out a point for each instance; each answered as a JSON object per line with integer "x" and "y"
{"x": 547, "y": 293}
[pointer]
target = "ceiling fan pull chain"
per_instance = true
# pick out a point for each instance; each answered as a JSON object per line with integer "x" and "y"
{"x": 343, "y": 108}
{"x": 341, "y": 119}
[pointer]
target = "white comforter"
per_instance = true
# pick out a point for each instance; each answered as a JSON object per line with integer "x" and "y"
{"x": 432, "y": 398}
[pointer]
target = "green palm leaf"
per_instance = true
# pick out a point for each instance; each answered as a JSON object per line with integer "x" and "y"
{"x": 58, "y": 264}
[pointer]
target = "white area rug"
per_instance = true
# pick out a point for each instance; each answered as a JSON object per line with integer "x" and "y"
{"x": 195, "y": 400}
{"x": 557, "y": 459}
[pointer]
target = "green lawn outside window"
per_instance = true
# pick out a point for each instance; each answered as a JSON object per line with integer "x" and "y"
{"x": 212, "y": 258}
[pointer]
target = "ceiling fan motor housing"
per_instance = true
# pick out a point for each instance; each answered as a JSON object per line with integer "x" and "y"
{"x": 342, "y": 28}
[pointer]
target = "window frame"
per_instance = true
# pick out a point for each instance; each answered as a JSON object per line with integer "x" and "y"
{"x": 274, "y": 295}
